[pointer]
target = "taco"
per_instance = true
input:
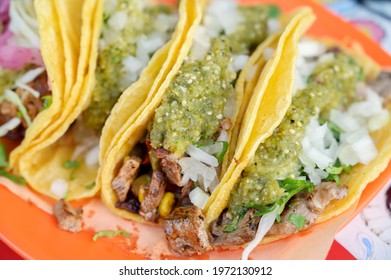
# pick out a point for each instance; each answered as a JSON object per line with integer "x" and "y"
{"x": 176, "y": 151}
{"x": 330, "y": 137}
{"x": 117, "y": 42}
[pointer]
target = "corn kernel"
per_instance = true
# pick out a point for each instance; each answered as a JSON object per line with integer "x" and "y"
{"x": 167, "y": 204}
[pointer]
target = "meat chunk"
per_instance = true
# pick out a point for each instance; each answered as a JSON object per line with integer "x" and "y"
{"x": 186, "y": 232}
{"x": 161, "y": 153}
{"x": 172, "y": 169}
{"x": 310, "y": 206}
{"x": 126, "y": 176}
{"x": 131, "y": 203}
{"x": 150, "y": 204}
{"x": 244, "y": 233}
{"x": 68, "y": 218}
{"x": 382, "y": 85}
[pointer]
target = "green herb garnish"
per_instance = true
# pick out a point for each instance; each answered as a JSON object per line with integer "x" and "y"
{"x": 90, "y": 186}
{"x": 3, "y": 156}
{"x": 297, "y": 220}
{"x": 233, "y": 225}
{"x": 47, "y": 100}
{"x": 110, "y": 233}
{"x": 274, "y": 11}
{"x": 19, "y": 180}
{"x": 73, "y": 165}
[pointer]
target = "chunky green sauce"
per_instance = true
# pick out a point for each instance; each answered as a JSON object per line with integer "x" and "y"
{"x": 110, "y": 72}
{"x": 194, "y": 102}
{"x": 331, "y": 85}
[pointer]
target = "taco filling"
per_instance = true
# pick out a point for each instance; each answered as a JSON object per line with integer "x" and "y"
{"x": 24, "y": 87}
{"x": 133, "y": 30}
{"x": 179, "y": 160}
{"x": 295, "y": 173}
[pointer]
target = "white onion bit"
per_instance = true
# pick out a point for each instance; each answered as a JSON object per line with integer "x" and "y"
{"x": 59, "y": 188}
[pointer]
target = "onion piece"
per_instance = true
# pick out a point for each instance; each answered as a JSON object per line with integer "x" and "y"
{"x": 202, "y": 156}
{"x": 264, "y": 226}
{"x": 198, "y": 197}
{"x": 92, "y": 156}
{"x": 29, "y": 89}
{"x": 30, "y": 75}
{"x": 59, "y": 188}
{"x": 8, "y": 126}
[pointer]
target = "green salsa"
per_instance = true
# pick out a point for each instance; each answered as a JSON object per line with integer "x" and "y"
{"x": 331, "y": 85}
{"x": 195, "y": 101}
{"x": 111, "y": 75}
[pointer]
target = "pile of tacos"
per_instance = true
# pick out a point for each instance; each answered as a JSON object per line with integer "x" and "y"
{"x": 223, "y": 123}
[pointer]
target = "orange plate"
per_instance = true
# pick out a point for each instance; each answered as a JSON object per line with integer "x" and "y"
{"x": 33, "y": 233}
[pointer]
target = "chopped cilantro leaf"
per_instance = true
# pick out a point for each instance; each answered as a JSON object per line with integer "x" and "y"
{"x": 220, "y": 156}
{"x": 274, "y": 11}
{"x": 47, "y": 100}
{"x": 232, "y": 226}
{"x": 19, "y": 180}
{"x": 73, "y": 165}
{"x": 297, "y": 220}
{"x": 3, "y": 156}
{"x": 110, "y": 233}
{"x": 90, "y": 186}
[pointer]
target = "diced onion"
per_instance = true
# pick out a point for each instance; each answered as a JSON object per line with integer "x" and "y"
{"x": 59, "y": 188}
{"x": 264, "y": 226}
{"x": 268, "y": 53}
{"x": 193, "y": 169}
{"x": 118, "y": 20}
{"x": 92, "y": 157}
{"x": 202, "y": 156}
{"x": 239, "y": 61}
{"x": 8, "y": 126}
{"x": 311, "y": 48}
{"x": 198, "y": 197}
{"x": 223, "y": 137}
{"x": 273, "y": 26}
{"x": 30, "y": 75}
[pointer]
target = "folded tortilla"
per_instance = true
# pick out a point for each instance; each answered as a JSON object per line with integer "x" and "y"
{"x": 135, "y": 129}
{"x": 262, "y": 121}
{"x": 63, "y": 160}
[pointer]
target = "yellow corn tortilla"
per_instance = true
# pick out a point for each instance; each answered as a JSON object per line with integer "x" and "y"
{"x": 133, "y": 130}
{"x": 255, "y": 132}
{"x": 41, "y": 160}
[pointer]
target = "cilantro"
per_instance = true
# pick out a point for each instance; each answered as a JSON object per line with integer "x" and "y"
{"x": 73, "y": 165}
{"x": 110, "y": 233}
{"x": 274, "y": 11}
{"x": 3, "y": 156}
{"x": 19, "y": 180}
{"x": 332, "y": 178}
{"x": 47, "y": 100}
{"x": 106, "y": 17}
{"x": 336, "y": 130}
{"x": 233, "y": 225}
{"x": 297, "y": 220}
{"x": 278, "y": 218}
{"x": 90, "y": 186}
{"x": 220, "y": 156}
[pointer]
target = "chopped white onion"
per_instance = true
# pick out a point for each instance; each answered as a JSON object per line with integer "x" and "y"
{"x": 378, "y": 121}
{"x": 118, "y": 20}
{"x": 8, "y": 126}
{"x": 29, "y": 89}
{"x": 202, "y": 156}
{"x": 30, "y": 75}
{"x": 223, "y": 136}
{"x": 92, "y": 157}
{"x": 239, "y": 61}
{"x": 273, "y": 26}
{"x": 214, "y": 148}
{"x": 264, "y": 226}
{"x": 310, "y": 48}
{"x": 201, "y": 44}
{"x": 195, "y": 170}
{"x": 133, "y": 64}
{"x": 59, "y": 188}
{"x": 198, "y": 197}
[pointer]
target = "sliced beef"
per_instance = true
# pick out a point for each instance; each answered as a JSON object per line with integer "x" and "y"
{"x": 150, "y": 204}
{"x": 126, "y": 176}
{"x": 172, "y": 169}
{"x": 68, "y": 218}
{"x": 310, "y": 206}
{"x": 131, "y": 203}
{"x": 185, "y": 231}
{"x": 244, "y": 233}
{"x": 161, "y": 153}
{"x": 382, "y": 85}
